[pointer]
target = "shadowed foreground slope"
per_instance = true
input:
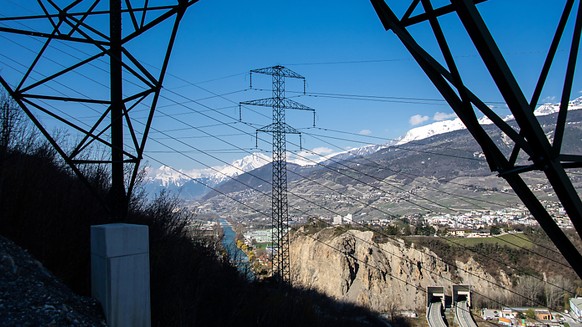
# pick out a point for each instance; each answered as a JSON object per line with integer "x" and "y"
{"x": 44, "y": 209}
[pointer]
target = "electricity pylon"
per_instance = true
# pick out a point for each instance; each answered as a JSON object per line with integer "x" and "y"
{"x": 85, "y": 54}
{"x": 528, "y": 137}
{"x": 280, "y": 208}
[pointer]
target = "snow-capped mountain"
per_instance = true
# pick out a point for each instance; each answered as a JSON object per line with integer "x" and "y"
{"x": 445, "y": 126}
{"x": 189, "y": 184}
{"x": 237, "y": 167}
{"x": 166, "y": 175}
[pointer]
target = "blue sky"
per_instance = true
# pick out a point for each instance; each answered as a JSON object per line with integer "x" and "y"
{"x": 340, "y": 47}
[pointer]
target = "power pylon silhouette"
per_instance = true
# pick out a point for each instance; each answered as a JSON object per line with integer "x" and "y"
{"x": 542, "y": 154}
{"x": 98, "y": 69}
{"x": 279, "y": 128}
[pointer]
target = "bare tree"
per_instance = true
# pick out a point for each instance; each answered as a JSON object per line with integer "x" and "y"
{"x": 393, "y": 309}
{"x": 531, "y": 291}
{"x": 16, "y": 131}
{"x": 556, "y": 289}
{"x": 8, "y": 118}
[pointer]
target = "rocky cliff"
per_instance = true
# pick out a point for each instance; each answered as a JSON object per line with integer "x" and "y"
{"x": 351, "y": 267}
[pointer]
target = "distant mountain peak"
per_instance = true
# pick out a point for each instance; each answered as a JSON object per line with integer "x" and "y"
{"x": 168, "y": 177}
{"x": 237, "y": 167}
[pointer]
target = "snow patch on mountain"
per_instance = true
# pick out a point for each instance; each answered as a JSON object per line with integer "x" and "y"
{"x": 237, "y": 167}
{"x": 445, "y": 126}
{"x": 439, "y": 127}
{"x": 356, "y": 152}
{"x": 166, "y": 176}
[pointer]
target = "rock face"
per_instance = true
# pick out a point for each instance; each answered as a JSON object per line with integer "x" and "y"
{"x": 352, "y": 267}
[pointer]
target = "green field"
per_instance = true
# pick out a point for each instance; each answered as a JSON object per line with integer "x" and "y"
{"x": 510, "y": 240}
{"x": 261, "y": 245}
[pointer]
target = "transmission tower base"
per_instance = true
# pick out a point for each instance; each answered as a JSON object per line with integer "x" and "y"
{"x": 120, "y": 273}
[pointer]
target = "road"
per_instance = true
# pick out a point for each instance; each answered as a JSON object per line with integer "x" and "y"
{"x": 463, "y": 315}
{"x": 434, "y": 315}
{"x": 570, "y": 321}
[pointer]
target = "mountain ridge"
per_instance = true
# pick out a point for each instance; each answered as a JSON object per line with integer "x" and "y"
{"x": 197, "y": 183}
{"x": 445, "y": 173}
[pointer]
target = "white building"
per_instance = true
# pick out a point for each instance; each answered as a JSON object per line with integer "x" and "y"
{"x": 260, "y": 236}
{"x": 339, "y": 220}
{"x": 348, "y": 219}
{"x": 576, "y": 308}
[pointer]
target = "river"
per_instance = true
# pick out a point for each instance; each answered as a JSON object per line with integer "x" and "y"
{"x": 236, "y": 255}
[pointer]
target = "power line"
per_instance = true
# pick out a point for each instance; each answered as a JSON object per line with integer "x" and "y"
{"x": 405, "y": 199}
{"x": 403, "y": 59}
{"x": 534, "y": 253}
{"x": 206, "y": 81}
{"x": 303, "y": 198}
{"x": 361, "y": 61}
{"x": 404, "y": 258}
{"x": 365, "y": 263}
{"x": 401, "y": 147}
{"x": 452, "y": 264}
{"x": 214, "y": 96}
{"x": 326, "y": 167}
{"x": 346, "y": 175}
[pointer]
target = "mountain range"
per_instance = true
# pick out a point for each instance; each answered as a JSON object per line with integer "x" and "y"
{"x": 192, "y": 184}
{"x": 253, "y": 173}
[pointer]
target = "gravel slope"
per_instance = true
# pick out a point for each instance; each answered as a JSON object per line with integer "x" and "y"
{"x": 31, "y": 296}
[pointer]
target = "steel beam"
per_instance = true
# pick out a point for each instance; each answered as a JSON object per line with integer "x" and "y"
{"x": 530, "y": 137}
{"x": 74, "y": 28}
{"x": 544, "y": 156}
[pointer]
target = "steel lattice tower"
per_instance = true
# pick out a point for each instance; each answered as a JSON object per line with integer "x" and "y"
{"x": 278, "y": 128}
{"x": 92, "y": 37}
{"x": 528, "y": 137}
